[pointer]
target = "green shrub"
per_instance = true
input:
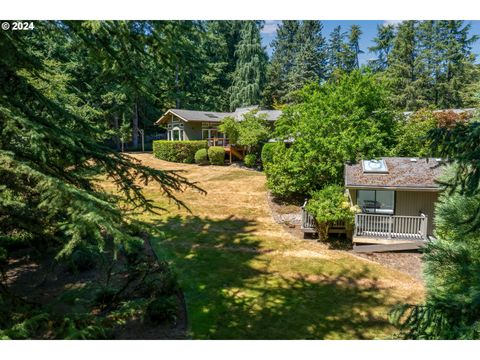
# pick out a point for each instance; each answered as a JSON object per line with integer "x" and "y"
{"x": 267, "y": 152}
{"x": 250, "y": 160}
{"x": 201, "y": 157}
{"x": 329, "y": 205}
{"x": 163, "y": 308}
{"x": 216, "y": 154}
{"x": 178, "y": 151}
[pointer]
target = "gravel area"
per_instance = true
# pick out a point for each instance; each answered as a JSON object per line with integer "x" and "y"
{"x": 407, "y": 262}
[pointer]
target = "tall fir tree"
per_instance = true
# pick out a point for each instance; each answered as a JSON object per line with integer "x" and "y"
{"x": 284, "y": 49}
{"x": 249, "y": 76}
{"x": 353, "y": 48}
{"x": 402, "y": 74}
{"x": 383, "y": 47}
{"x": 336, "y": 50}
{"x": 310, "y": 60}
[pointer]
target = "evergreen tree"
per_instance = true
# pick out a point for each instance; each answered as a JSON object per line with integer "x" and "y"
{"x": 336, "y": 50}
{"x": 383, "y": 47}
{"x": 452, "y": 261}
{"x": 353, "y": 48}
{"x": 402, "y": 74}
{"x": 52, "y": 151}
{"x": 284, "y": 50}
{"x": 310, "y": 60}
{"x": 249, "y": 75}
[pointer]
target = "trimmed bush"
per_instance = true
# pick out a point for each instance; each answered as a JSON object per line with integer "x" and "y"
{"x": 216, "y": 154}
{"x": 178, "y": 151}
{"x": 250, "y": 160}
{"x": 267, "y": 152}
{"x": 201, "y": 157}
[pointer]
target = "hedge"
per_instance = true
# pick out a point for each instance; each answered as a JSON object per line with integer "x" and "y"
{"x": 250, "y": 160}
{"x": 216, "y": 154}
{"x": 201, "y": 157}
{"x": 267, "y": 152}
{"x": 178, "y": 151}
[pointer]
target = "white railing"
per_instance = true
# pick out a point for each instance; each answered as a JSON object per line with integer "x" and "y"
{"x": 391, "y": 226}
{"x": 308, "y": 221}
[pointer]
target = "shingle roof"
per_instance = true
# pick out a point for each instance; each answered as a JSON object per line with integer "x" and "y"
{"x": 402, "y": 173}
{"x": 211, "y": 116}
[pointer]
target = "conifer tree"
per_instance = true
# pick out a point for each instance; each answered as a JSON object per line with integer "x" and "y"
{"x": 310, "y": 60}
{"x": 284, "y": 50}
{"x": 336, "y": 49}
{"x": 383, "y": 47}
{"x": 249, "y": 76}
{"x": 402, "y": 74}
{"x": 353, "y": 48}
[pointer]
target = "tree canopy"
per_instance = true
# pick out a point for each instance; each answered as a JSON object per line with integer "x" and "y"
{"x": 336, "y": 122}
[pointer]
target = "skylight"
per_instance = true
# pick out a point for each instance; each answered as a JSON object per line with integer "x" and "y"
{"x": 374, "y": 166}
{"x": 212, "y": 116}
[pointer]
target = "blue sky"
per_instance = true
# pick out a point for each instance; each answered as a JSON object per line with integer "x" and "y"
{"x": 369, "y": 29}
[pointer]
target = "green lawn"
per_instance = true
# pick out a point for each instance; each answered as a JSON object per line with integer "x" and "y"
{"x": 244, "y": 277}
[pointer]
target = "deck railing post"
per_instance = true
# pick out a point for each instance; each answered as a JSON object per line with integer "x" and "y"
{"x": 424, "y": 226}
{"x": 390, "y": 223}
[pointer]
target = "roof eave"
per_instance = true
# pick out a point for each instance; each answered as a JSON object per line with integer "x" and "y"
{"x": 404, "y": 188}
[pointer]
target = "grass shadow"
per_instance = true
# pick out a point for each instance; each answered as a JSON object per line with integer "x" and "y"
{"x": 235, "y": 288}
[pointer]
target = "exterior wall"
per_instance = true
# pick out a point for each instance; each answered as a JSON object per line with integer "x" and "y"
{"x": 411, "y": 203}
{"x": 414, "y": 202}
{"x": 193, "y": 130}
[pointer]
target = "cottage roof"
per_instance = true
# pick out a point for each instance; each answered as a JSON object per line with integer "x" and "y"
{"x": 212, "y": 116}
{"x": 402, "y": 173}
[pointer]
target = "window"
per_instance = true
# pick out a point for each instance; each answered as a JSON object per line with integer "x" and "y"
{"x": 176, "y": 134}
{"x": 376, "y": 201}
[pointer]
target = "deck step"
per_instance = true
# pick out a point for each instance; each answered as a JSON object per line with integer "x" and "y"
{"x": 389, "y": 247}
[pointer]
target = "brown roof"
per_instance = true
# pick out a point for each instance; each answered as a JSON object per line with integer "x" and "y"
{"x": 402, "y": 173}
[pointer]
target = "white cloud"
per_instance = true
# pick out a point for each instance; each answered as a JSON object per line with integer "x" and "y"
{"x": 392, "y": 22}
{"x": 270, "y": 26}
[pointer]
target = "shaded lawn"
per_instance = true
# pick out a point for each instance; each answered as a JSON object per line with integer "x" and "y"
{"x": 244, "y": 277}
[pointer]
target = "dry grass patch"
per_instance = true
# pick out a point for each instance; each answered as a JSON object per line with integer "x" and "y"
{"x": 244, "y": 277}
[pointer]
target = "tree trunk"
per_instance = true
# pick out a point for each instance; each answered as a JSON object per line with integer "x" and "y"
{"x": 177, "y": 100}
{"x": 135, "y": 126}
{"x": 116, "y": 127}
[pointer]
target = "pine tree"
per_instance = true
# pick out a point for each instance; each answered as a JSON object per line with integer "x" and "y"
{"x": 383, "y": 47}
{"x": 284, "y": 50}
{"x": 249, "y": 75}
{"x": 310, "y": 60}
{"x": 52, "y": 143}
{"x": 336, "y": 50}
{"x": 452, "y": 261}
{"x": 353, "y": 48}
{"x": 402, "y": 74}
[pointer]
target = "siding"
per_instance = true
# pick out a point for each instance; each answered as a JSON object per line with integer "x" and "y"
{"x": 411, "y": 203}
{"x": 193, "y": 131}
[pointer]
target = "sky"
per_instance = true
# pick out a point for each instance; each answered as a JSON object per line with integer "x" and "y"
{"x": 369, "y": 29}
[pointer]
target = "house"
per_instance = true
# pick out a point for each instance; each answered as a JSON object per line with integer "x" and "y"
{"x": 396, "y": 197}
{"x": 203, "y": 125}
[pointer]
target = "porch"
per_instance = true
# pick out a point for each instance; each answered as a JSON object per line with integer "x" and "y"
{"x": 384, "y": 229}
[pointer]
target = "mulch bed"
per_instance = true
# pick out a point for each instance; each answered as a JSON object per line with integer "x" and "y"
{"x": 289, "y": 215}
